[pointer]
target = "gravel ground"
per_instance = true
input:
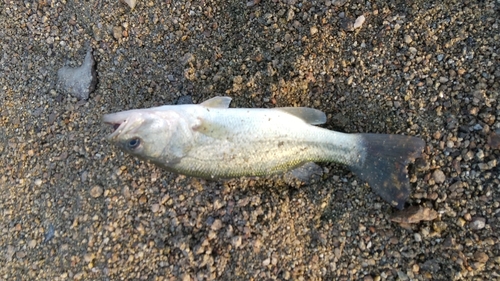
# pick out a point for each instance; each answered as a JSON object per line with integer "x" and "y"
{"x": 73, "y": 207}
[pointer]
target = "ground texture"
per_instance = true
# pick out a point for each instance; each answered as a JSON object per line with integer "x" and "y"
{"x": 74, "y": 207}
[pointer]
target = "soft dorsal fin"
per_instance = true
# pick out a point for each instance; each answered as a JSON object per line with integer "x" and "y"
{"x": 309, "y": 115}
{"x": 217, "y": 102}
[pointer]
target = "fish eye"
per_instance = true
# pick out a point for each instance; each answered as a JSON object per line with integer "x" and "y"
{"x": 134, "y": 143}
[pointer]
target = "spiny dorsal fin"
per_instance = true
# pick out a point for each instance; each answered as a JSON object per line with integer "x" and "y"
{"x": 217, "y": 102}
{"x": 309, "y": 115}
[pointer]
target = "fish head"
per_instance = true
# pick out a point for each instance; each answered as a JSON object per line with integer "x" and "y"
{"x": 149, "y": 134}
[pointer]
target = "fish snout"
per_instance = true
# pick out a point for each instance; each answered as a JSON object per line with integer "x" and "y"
{"x": 115, "y": 123}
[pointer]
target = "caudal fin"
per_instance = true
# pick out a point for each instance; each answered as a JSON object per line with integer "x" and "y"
{"x": 384, "y": 165}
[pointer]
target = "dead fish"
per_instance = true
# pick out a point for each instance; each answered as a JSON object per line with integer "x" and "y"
{"x": 211, "y": 140}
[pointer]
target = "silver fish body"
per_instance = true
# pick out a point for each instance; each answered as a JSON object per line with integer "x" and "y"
{"x": 211, "y": 140}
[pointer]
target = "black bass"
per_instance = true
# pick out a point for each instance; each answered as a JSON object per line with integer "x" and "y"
{"x": 211, "y": 140}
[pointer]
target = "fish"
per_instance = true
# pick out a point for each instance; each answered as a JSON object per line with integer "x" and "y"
{"x": 213, "y": 141}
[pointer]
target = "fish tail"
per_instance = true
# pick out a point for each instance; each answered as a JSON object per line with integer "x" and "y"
{"x": 383, "y": 164}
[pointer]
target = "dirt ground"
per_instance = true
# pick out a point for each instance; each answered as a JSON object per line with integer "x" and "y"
{"x": 75, "y": 207}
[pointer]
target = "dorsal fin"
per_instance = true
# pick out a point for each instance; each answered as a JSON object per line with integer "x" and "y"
{"x": 309, "y": 115}
{"x": 217, "y": 102}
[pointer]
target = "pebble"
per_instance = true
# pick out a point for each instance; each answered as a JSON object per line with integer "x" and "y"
{"x": 367, "y": 278}
{"x": 359, "y": 22}
{"x": 347, "y": 24}
{"x": 185, "y": 100}
{"x": 130, "y": 3}
{"x": 155, "y": 208}
{"x": 117, "y": 32}
{"x": 438, "y": 176}
{"x": 481, "y": 257}
{"x": 494, "y": 140}
{"x": 32, "y": 244}
{"x": 314, "y": 30}
{"x": 236, "y": 241}
{"x": 408, "y": 39}
{"x": 96, "y": 191}
{"x": 216, "y": 225}
{"x": 477, "y": 223}
{"x": 414, "y": 214}
{"x": 443, "y": 79}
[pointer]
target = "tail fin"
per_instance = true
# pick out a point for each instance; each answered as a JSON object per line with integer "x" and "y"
{"x": 384, "y": 164}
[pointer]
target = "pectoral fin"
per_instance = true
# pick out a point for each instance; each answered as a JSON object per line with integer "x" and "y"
{"x": 211, "y": 129}
{"x": 217, "y": 102}
{"x": 309, "y": 115}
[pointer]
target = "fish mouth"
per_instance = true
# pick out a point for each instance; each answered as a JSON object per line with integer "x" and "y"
{"x": 116, "y": 123}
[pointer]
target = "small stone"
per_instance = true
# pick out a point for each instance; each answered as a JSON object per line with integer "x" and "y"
{"x": 266, "y": 262}
{"x": 449, "y": 243}
{"x": 143, "y": 199}
{"x": 439, "y": 226}
{"x": 78, "y": 276}
{"x": 468, "y": 156}
{"x": 187, "y": 58}
{"x": 461, "y": 222}
{"x": 494, "y": 140}
{"x": 367, "y": 278}
{"x": 481, "y": 257}
{"x": 252, "y": 3}
{"x": 483, "y": 166}
{"x": 478, "y": 223}
{"x": 480, "y": 155}
{"x": 347, "y": 24}
{"x": 88, "y": 257}
{"x": 96, "y": 191}
{"x": 290, "y": 15}
{"x": 417, "y": 237}
{"x": 38, "y": 182}
{"x": 32, "y": 244}
{"x": 437, "y": 135}
{"x": 432, "y": 196}
{"x": 443, "y": 79}
{"x": 314, "y": 30}
{"x": 20, "y": 254}
{"x": 359, "y": 22}
{"x": 155, "y": 208}
{"x": 185, "y": 100}
{"x": 477, "y": 127}
{"x": 408, "y": 39}
{"x": 130, "y": 3}
{"x": 467, "y": 217}
{"x": 236, "y": 241}
{"x": 117, "y": 32}
{"x": 216, "y": 225}
{"x": 438, "y": 176}
{"x": 431, "y": 265}
{"x": 414, "y": 214}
